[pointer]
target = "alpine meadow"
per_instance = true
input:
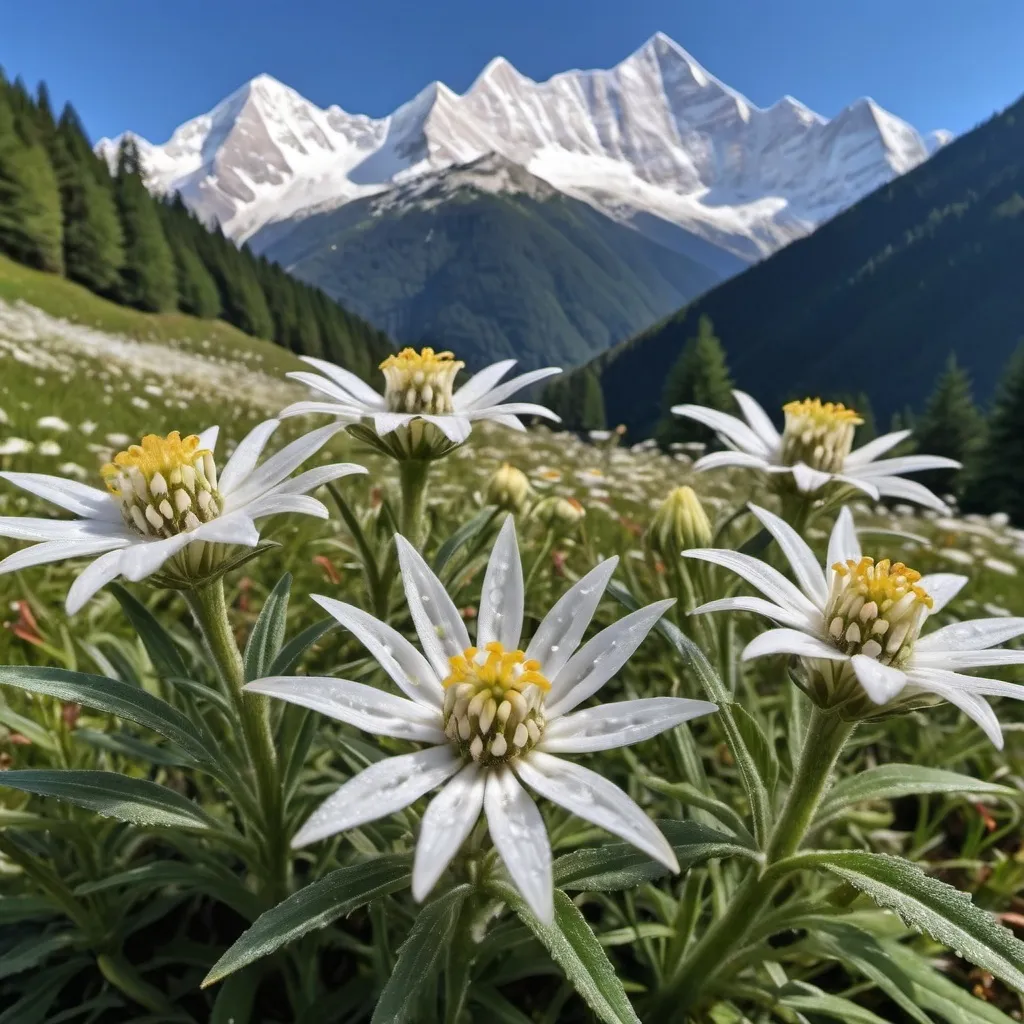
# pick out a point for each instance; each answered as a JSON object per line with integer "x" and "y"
{"x": 351, "y": 673}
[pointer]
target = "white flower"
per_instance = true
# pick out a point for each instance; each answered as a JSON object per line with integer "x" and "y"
{"x": 164, "y": 497}
{"x": 816, "y": 449}
{"x": 15, "y": 446}
{"x": 53, "y": 423}
{"x": 49, "y": 448}
{"x": 858, "y": 623}
{"x": 494, "y": 717}
{"x": 418, "y": 386}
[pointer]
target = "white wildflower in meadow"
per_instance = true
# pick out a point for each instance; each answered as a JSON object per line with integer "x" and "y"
{"x": 48, "y": 448}
{"x": 53, "y": 423}
{"x": 4, "y": 418}
{"x": 418, "y": 400}
{"x": 856, "y": 626}
{"x": 15, "y": 446}
{"x": 494, "y": 718}
{"x": 815, "y": 448}
{"x": 166, "y": 505}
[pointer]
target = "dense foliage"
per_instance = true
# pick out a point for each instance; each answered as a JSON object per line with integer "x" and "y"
{"x": 62, "y": 210}
{"x": 875, "y": 300}
{"x": 541, "y": 279}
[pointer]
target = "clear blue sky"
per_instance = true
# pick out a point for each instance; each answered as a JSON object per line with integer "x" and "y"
{"x": 150, "y": 66}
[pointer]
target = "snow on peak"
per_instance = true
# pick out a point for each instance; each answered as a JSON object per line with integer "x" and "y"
{"x": 657, "y": 134}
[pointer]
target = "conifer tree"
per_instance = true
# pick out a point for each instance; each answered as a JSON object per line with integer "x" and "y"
{"x": 148, "y": 277}
{"x": 997, "y": 482}
{"x": 699, "y": 377}
{"x": 577, "y": 399}
{"x": 951, "y": 425}
{"x": 592, "y": 412}
{"x": 93, "y": 241}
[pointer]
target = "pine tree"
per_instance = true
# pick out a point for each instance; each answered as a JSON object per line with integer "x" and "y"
{"x": 148, "y": 278}
{"x": 30, "y": 217}
{"x": 592, "y": 414}
{"x": 577, "y": 399}
{"x": 951, "y": 425}
{"x": 197, "y": 290}
{"x": 996, "y": 483}
{"x": 699, "y": 377}
{"x": 93, "y": 241}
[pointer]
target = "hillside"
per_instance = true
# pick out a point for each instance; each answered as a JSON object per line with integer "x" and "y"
{"x": 492, "y": 262}
{"x": 873, "y": 301}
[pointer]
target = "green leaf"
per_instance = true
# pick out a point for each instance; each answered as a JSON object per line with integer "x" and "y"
{"x": 315, "y": 906}
{"x": 267, "y": 635}
{"x": 575, "y": 948}
{"x": 14, "y": 909}
{"x": 116, "y": 698}
{"x": 111, "y": 794}
{"x": 298, "y": 645}
{"x": 928, "y": 905}
{"x": 32, "y": 952}
{"x": 498, "y": 1008}
{"x": 132, "y": 747}
{"x": 761, "y": 749}
{"x": 234, "y": 1002}
{"x": 463, "y": 535}
{"x": 158, "y": 642}
{"x": 31, "y": 730}
{"x": 420, "y": 959}
{"x": 832, "y": 1006}
{"x": 891, "y": 781}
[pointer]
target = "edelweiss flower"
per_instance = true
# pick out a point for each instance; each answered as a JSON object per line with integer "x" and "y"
{"x": 164, "y": 504}
{"x": 494, "y": 716}
{"x": 857, "y": 626}
{"x": 418, "y": 402}
{"x": 816, "y": 448}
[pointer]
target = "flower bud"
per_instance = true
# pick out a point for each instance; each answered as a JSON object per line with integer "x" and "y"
{"x": 559, "y": 513}
{"x": 509, "y": 489}
{"x": 680, "y": 523}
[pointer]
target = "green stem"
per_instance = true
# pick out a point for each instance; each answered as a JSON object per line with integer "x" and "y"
{"x": 826, "y": 735}
{"x": 252, "y": 709}
{"x": 413, "y": 475}
{"x": 542, "y": 554}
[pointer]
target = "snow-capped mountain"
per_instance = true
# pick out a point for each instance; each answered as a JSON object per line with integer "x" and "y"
{"x": 656, "y": 142}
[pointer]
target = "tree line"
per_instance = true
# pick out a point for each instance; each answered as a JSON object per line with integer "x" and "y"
{"x": 63, "y": 210}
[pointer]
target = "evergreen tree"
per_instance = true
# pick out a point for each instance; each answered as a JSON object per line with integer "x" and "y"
{"x": 93, "y": 241}
{"x": 700, "y": 376}
{"x": 592, "y": 415}
{"x": 951, "y": 426}
{"x": 30, "y": 216}
{"x": 997, "y": 483}
{"x": 577, "y": 399}
{"x": 148, "y": 279}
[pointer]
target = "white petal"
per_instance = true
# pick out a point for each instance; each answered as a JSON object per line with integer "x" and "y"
{"x": 438, "y": 624}
{"x": 314, "y": 478}
{"x": 447, "y": 822}
{"x": 231, "y": 528}
{"x": 758, "y": 574}
{"x": 758, "y": 419}
{"x": 805, "y": 565}
{"x": 498, "y": 394}
{"x": 593, "y": 798}
{"x": 208, "y": 439}
{"x": 455, "y": 428}
{"x": 92, "y": 579}
{"x": 331, "y": 389}
{"x": 76, "y": 497}
{"x": 511, "y": 409}
{"x": 718, "y": 459}
{"x": 968, "y": 684}
{"x": 480, "y": 383}
{"x": 386, "y": 422}
{"x": 620, "y": 724}
{"x": 143, "y": 559}
{"x": 843, "y": 544}
{"x": 879, "y": 446}
{"x": 501, "y": 601}
{"x": 519, "y": 835}
{"x": 759, "y": 606}
{"x": 942, "y": 587}
{"x": 276, "y": 503}
{"x": 957, "y": 660}
{"x": 355, "y": 386}
{"x": 791, "y": 641}
{"x": 507, "y": 421}
{"x": 880, "y": 682}
{"x": 976, "y": 708}
{"x": 357, "y": 704}
{"x": 347, "y": 413}
{"x": 972, "y": 635}
{"x": 281, "y": 464}
{"x": 908, "y": 490}
{"x": 59, "y": 550}
{"x": 809, "y": 480}
{"x": 408, "y": 668}
{"x": 244, "y": 458}
{"x": 853, "y": 479}
{"x": 731, "y": 428}
{"x": 600, "y": 658}
{"x": 907, "y": 464}
{"x": 562, "y": 629}
{"x": 27, "y": 528}
{"x": 383, "y": 788}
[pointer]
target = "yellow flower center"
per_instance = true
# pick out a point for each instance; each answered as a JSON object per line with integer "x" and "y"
{"x": 165, "y": 486}
{"x": 876, "y": 609}
{"x": 494, "y": 703}
{"x": 818, "y": 434}
{"x": 420, "y": 382}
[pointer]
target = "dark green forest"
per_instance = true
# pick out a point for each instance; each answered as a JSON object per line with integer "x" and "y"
{"x": 874, "y": 301}
{"x": 63, "y": 211}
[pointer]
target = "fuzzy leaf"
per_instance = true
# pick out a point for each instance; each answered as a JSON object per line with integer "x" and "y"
{"x": 267, "y": 635}
{"x": 159, "y": 644}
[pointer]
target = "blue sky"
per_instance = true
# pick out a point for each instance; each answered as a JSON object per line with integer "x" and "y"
{"x": 148, "y": 67}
